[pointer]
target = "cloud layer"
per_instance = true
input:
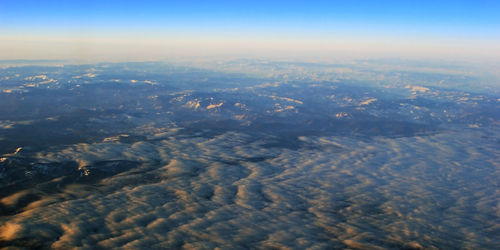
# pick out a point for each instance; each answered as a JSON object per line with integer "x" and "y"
{"x": 230, "y": 191}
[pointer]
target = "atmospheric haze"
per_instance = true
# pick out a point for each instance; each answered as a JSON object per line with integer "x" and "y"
{"x": 94, "y": 31}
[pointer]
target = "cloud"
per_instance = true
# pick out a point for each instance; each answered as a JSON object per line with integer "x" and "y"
{"x": 230, "y": 191}
{"x": 286, "y": 99}
{"x": 212, "y": 106}
{"x": 6, "y": 124}
{"x": 33, "y": 78}
{"x": 368, "y": 101}
{"x": 415, "y": 89}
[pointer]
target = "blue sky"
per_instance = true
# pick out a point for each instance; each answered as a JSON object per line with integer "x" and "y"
{"x": 431, "y": 21}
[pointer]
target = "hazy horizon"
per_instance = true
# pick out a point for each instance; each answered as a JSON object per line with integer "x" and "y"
{"x": 156, "y": 30}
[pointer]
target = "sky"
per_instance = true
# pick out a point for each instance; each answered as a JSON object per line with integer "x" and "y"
{"x": 144, "y": 30}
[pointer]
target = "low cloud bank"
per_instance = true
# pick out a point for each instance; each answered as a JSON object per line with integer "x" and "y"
{"x": 231, "y": 191}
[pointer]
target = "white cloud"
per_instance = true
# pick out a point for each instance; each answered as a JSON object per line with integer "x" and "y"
{"x": 212, "y": 106}
{"x": 368, "y": 101}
